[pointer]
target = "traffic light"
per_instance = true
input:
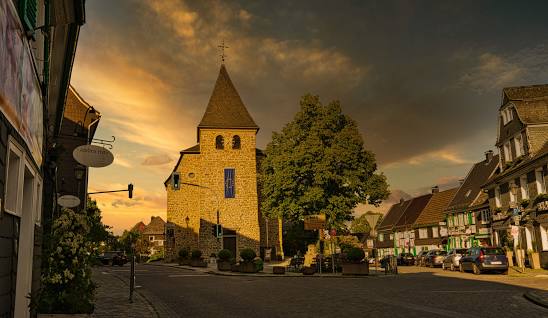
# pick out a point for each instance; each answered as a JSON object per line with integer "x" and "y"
{"x": 130, "y": 190}
{"x": 217, "y": 230}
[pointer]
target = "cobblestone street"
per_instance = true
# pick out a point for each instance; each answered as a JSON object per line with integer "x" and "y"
{"x": 415, "y": 292}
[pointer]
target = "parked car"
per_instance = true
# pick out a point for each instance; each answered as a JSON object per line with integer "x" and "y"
{"x": 482, "y": 259}
{"x": 434, "y": 258}
{"x": 419, "y": 260}
{"x": 113, "y": 258}
{"x": 452, "y": 260}
{"x": 406, "y": 259}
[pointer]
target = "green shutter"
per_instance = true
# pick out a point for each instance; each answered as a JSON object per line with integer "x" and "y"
{"x": 27, "y": 13}
{"x": 470, "y": 218}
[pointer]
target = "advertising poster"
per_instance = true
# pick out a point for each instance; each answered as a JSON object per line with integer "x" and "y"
{"x": 20, "y": 95}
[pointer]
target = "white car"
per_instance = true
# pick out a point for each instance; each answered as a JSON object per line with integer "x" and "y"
{"x": 452, "y": 260}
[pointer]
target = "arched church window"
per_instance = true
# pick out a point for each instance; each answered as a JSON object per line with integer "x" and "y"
{"x": 219, "y": 142}
{"x": 236, "y": 142}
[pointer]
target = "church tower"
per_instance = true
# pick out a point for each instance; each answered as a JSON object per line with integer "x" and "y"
{"x": 215, "y": 182}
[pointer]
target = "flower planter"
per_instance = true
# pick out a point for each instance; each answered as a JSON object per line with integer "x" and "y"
{"x": 355, "y": 269}
{"x": 198, "y": 263}
{"x": 510, "y": 257}
{"x": 534, "y": 260}
{"x": 278, "y": 270}
{"x": 224, "y": 266}
{"x": 247, "y": 267}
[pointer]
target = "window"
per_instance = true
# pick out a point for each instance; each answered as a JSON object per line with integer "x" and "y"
{"x": 544, "y": 236}
{"x": 381, "y": 237}
{"x": 160, "y": 243}
{"x": 518, "y": 144}
{"x": 14, "y": 180}
{"x": 229, "y": 183}
{"x": 509, "y": 114}
{"x": 219, "y": 142}
{"x": 541, "y": 186}
{"x": 507, "y": 152}
{"x": 423, "y": 233}
{"x": 512, "y": 195}
{"x": 449, "y": 220}
{"x": 236, "y": 142}
{"x": 391, "y": 236}
{"x": 151, "y": 238}
{"x": 497, "y": 197}
{"x": 524, "y": 187}
{"x": 435, "y": 232}
{"x": 485, "y": 216}
{"x": 176, "y": 181}
{"x": 461, "y": 219}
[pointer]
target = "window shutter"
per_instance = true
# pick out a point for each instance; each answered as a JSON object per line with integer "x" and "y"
{"x": 28, "y": 12}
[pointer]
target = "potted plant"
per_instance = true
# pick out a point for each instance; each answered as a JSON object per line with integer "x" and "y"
{"x": 224, "y": 260}
{"x": 196, "y": 259}
{"x": 354, "y": 264}
{"x": 534, "y": 259}
{"x": 183, "y": 257}
{"x": 247, "y": 265}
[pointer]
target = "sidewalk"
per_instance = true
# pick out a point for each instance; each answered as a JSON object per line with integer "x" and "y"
{"x": 112, "y": 298}
{"x": 516, "y": 271}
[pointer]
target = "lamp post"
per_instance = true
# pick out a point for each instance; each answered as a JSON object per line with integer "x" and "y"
{"x": 518, "y": 248}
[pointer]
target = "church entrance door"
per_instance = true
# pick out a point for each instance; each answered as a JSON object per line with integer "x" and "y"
{"x": 229, "y": 243}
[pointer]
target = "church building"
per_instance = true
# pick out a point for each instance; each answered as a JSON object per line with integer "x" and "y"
{"x": 213, "y": 193}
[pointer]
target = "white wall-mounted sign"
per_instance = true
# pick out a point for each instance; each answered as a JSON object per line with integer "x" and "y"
{"x": 68, "y": 201}
{"x": 93, "y": 156}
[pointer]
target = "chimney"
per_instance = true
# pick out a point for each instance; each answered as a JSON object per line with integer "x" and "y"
{"x": 435, "y": 189}
{"x": 489, "y": 156}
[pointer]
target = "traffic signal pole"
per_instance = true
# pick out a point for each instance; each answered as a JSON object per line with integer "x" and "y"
{"x": 129, "y": 190}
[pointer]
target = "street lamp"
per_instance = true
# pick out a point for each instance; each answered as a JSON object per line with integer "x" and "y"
{"x": 517, "y": 218}
{"x": 79, "y": 172}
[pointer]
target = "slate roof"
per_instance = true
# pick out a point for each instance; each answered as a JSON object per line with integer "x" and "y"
{"x": 156, "y": 226}
{"x": 193, "y": 149}
{"x": 225, "y": 108}
{"x": 393, "y": 215}
{"x": 532, "y": 111}
{"x": 525, "y": 92}
{"x": 433, "y": 211}
{"x": 139, "y": 227}
{"x": 471, "y": 188}
{"x": 410, "y": 215}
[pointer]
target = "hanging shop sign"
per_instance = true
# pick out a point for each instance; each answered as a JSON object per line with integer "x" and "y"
{"x": 314, "y": 222}
{"x": 68, "y": 201}
{"x": 93, "y": 156}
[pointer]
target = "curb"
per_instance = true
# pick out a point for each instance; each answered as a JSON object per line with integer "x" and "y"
{"x": 534, "y": 298}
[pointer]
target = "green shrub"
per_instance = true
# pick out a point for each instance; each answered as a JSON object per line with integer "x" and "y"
{"x": 225, "y": 255}
{"x": 247, "y": 254}
{"x": 355, "y": 255}
{"x": 183, "y": 253}
{"x": 158, "y": 256}
{"x": 213, "y": 255}
{"x": 258, "y": 264}
{"x": 196, "y": 254}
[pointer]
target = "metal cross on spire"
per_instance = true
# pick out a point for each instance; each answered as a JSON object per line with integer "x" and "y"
{"x": 222, "y": 47}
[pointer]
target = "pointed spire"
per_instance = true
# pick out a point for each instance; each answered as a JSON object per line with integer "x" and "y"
{"x": 225, "y": 108}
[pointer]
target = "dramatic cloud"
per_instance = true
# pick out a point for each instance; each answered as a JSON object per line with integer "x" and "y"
{"x": 156, "y": 160}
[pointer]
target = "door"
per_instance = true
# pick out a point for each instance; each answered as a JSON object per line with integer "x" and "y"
{"x": 229, "y": 243}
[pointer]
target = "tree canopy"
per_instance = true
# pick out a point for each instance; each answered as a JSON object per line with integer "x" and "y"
{"x": 360, "y": 224}
{"x": 318, "y": 164}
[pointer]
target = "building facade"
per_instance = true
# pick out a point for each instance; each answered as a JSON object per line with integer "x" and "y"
{"x": 468, "y": 216}
{"x": 35, "y": 71}
{"x": 214, "y": 183}
{"x": 154, "y": 233}
{"x": 517, "y": 194}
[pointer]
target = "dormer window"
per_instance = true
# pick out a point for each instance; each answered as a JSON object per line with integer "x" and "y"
{"x": 219, "y": 142}
{"x": 507, "y": 152}
{"x": 507, "y": 115}
{"x": 236, "y": 142}
{"x": 518, "y": 143}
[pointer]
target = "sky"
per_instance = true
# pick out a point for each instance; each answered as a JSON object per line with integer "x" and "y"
{"x": 423, "y": 80}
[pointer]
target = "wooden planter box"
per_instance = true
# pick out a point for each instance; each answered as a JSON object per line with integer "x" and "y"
{"x": 247, "y": 267}
{"x": 185, "y": 262}
{"x": 278, "y": 270}
{"x": 309, "y": 270}
{"x": 534, "y": 260}
{"x": 355, "y": 269}
{"x": 224, "y": 266}
{"x": 234, "y": 268}
{"x": 198, "y": 263}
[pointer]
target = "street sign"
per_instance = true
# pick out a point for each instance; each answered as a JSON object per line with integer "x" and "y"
{"x": 314, "y": 222}
{"x": 68, "y": 201}
{"x": 93, "y": 156}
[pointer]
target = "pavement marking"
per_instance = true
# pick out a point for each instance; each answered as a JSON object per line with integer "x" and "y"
{"x": 105, "y": 273}
{"x": 127, "y": 270}
{"x": 473, "y": 291}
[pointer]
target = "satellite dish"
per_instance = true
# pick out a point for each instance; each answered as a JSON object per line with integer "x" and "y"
{"x": 68, "y": 201}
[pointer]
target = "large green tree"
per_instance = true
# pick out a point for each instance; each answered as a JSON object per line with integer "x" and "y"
{"x": 360, "y": 224}
{"x": 318, "y": 164}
